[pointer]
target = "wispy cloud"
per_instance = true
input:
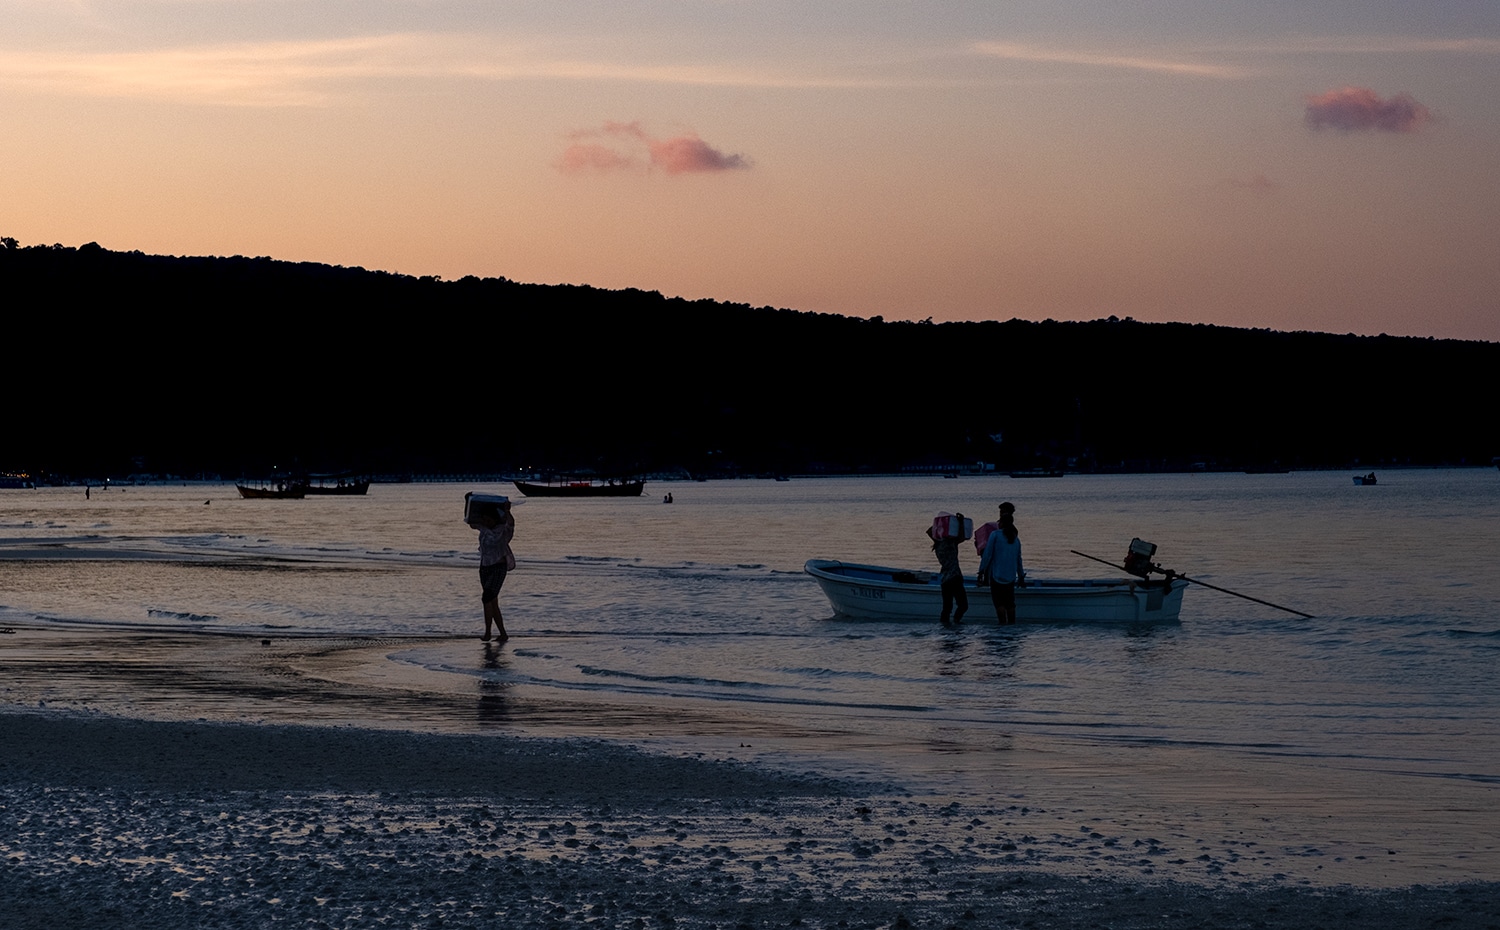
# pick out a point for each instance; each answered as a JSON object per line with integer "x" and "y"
{"x": 1016, "y": 51}
{"x": 1360, "y": 109}
{"x": 1383, "y": 45}
{"x": 293, "y": 73}
{"x": 314, "y": 72}
{"x": 1231, "y": 62}
{"x": 684, "y": 153}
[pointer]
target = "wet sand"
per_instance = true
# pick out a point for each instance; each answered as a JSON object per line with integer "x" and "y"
{"x": 119, "y": 821}
{"x": 136, "y": 824}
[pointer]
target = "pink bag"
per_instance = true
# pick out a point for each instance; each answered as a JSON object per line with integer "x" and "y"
{"x": 982, "y": 535}
{"x": 947, "y": 524}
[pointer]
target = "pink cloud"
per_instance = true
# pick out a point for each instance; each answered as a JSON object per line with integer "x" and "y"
{"x": 591, "y": 156}
{"x": 682, "y": 154}
{"x": 687, "y": 152}
{"x": 1359, "y": 109}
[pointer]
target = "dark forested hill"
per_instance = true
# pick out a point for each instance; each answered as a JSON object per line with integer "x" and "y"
{"x": 118, "y": 361}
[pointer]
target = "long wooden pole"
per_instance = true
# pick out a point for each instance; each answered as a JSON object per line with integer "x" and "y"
{"x": 1203, "y": 583}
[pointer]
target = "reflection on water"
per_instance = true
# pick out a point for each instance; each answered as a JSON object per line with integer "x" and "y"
{"x": 494, "y": 707}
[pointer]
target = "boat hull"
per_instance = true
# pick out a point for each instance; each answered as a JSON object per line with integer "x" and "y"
{"x": 581, "y": 489}
{"x": 350, "y": 488}
{"x": 873, "y": 592}
{"x": 292, "y": 493}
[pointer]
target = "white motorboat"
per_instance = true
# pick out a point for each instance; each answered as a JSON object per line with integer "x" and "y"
{"x": 874, "y": 592}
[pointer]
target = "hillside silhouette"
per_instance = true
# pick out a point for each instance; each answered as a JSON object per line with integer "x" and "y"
{"x": 123, "y": 362}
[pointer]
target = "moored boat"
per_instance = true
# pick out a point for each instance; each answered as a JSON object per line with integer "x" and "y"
{"x": 345, "y": 483}
{"x": 279, "y": 490}
{"x": 876, "y": 592}
{"x": 612, "y": 487}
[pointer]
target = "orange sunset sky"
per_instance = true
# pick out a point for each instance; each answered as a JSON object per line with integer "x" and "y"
{"x": 1308, "y": 165}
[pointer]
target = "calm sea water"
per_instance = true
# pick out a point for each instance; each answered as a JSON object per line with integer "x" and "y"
{"x": 693, "y": 621}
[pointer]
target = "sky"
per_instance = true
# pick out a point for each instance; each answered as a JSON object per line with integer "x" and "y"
{"x": 1324, "y": 165}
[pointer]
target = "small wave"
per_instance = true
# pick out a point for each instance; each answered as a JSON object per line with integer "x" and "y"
{"x": 205, "y": 539}
{"x": 160, "y": 614}
{"x": 739, "y": 691}
{"x": 667, "y": 679}
{"x": 815, "y": 673}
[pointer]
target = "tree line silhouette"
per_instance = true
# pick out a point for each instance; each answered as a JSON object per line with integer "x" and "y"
{"x": 122, "y": 361}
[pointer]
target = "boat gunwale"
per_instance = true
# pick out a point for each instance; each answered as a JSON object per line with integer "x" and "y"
{"x": 1078, "y": 586}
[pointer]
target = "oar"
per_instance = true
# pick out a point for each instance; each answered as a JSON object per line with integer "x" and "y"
{"x": 1203, "y": 583}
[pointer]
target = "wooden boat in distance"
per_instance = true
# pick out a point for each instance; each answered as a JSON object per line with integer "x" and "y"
{"x": 345, "y": 483}
{"x": 1365, "y": 479}
{"x": 613, "y": 487}
{"x": 277, "y": 491}
{"x": 874, "y": 592}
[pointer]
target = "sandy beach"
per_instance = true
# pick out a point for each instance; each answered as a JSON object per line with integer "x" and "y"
{"x": 148, "y": 824}
{"x": 126, "y": 822}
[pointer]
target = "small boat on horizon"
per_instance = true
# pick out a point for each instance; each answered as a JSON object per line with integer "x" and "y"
{"x": 587, "y": 487}
{"x": 1365, "y": 479}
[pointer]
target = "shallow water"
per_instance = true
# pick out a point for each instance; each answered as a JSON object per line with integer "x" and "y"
{"x": 692, "y": 626}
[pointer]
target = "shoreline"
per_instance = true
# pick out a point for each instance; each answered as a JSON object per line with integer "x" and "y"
{"x": 1086, "y": 806}
{"x": 188, "y": 824}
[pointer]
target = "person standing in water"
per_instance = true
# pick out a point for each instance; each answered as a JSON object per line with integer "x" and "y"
{"x": 952, "y": 576}
{"x": 496, "y": 528}
{"x": 1001, "y": 565}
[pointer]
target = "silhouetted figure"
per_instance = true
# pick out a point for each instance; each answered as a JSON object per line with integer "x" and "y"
{"x": 952, "y": 576}
{"x": 1001, "y": 565}
{"x": 496, "y": 529}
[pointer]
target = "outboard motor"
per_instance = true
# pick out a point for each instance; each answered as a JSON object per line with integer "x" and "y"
{"x": 1138, "y": 559}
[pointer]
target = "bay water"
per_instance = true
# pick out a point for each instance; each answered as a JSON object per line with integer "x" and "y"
{"x": 690, "y": 627}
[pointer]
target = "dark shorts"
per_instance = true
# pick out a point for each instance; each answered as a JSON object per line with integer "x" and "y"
{"x": 1003, "y": 595}
{"x": 954, "y": 593}
{"x": 491, "y": 577}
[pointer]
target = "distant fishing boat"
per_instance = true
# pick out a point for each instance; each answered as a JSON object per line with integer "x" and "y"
{"x": 342, "y": 483}
{"x": 601, "y": 487}
{"x": 275, "y": 489}
{"x": 1365, "y": 479}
